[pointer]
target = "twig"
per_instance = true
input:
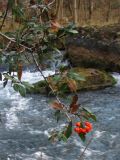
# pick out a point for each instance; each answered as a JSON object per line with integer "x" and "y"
{"x": 57, "y": 98}
{"x": 40, "y": 70}
{"x": 9, "y": 43}
{"x": 82, "y": 154}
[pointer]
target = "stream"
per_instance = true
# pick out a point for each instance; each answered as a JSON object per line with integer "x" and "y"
{"x": 26, "y": 122}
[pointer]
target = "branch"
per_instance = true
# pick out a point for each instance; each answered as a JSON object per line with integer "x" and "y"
{"x": 39, "y": 69}
{"x": 13, "y": 41}
{"x": 57, "y": 98}
{"x": 82, "y": 154}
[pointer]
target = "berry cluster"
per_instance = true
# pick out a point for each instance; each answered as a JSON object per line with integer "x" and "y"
{"x": 83, "y": 129}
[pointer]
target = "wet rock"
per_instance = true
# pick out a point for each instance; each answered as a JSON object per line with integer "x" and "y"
{"x": 96, "y": 48}
{"x": 94, "y": 79}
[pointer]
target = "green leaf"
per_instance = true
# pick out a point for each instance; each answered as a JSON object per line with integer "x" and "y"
{"x": 16, "y": 87}
{"x": 63, "y": 88}
{"x": 68, "y": 131}
{"x": 76, "y": 76}
{"x": 56, "y": 78}
{"x": 63, "y": 137}
{"x": 0, "y": 76}
{"x": 82, "y": 136}
{"x": 55, "y": 49}
{"x": 89, "y": 114}
{"x": 73, "y": 31}
{"x": 93, "y": 117}
{"x": 57, "y": 115}
{"x": 27, "y": 85}
{"x": 22, "y": 90}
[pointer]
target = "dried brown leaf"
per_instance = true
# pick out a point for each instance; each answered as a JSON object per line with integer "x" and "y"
{"x": 19, "y": 72}
{"x": 57, "y": 105}
{"x": 72, "y": 85}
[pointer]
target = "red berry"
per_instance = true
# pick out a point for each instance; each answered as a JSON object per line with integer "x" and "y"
{"x": 87, "y": 129}
{"x": 88, "y": 126}
{"x": 78, "y": 124}
{"x": 76, "y": 129}
{"x": 82, "y": 130}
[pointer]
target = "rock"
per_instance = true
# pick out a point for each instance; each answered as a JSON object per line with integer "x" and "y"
{"x": 94, "y": 79}
{"x": 96, "y": 48}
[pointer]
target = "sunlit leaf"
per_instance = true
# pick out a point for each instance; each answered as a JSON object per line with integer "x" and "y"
{"x": 20, "y": 88}
{"x": 76, "y": 76}
{"x": 73, "y": 31}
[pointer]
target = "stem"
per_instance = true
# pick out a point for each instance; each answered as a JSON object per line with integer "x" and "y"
{"x": 40, "y": 70}
{"x": 57, "y": 98}
{"x": 82, "y": 154}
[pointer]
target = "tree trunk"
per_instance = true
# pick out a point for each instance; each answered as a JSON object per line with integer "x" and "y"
{"x": 75, "y": 12}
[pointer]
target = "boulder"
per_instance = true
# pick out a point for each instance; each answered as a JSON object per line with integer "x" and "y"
{"x": 94, "y": 79}
{"x": 95, "y": 48}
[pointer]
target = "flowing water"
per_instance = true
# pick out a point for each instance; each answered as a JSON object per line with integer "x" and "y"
{"x": 26, "y": 122}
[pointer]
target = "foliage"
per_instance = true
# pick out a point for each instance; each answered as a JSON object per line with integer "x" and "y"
{"x": 37, "y": 37}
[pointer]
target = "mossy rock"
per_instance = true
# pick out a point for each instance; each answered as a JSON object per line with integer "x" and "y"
{"x": 94, "y": 79}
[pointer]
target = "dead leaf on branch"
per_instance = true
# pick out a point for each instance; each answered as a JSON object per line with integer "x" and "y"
{"x": 57, "y": 105}
{"x": 55, "y": 26}
{"x": 72, "y": 85}
{"x": 19, "y": 72}
{"x": 74, "y": 106}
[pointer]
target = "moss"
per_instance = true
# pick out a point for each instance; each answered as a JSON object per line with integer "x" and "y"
{"x": 94, "y": 79}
